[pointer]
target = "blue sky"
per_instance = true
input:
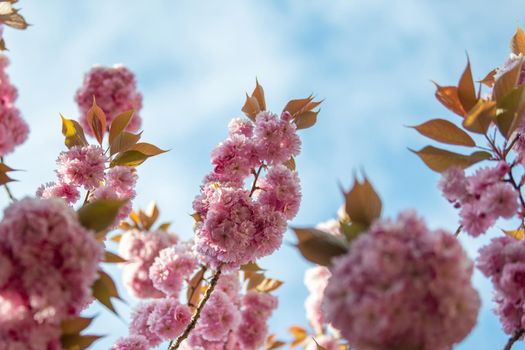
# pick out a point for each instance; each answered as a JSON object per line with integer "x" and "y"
{"x": 371, "y": 60}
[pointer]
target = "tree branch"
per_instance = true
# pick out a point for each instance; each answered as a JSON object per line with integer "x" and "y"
{"x": 515, "y": 337}
{"x": 197, "y": 314}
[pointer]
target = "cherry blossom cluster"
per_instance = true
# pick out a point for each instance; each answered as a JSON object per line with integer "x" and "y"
{"x": 316, "y": 280}
{"x": 154, "y": 321}
{"x": 402, "y": 285}
{"x": 13, "y": 129}
{"x": 237, "y": 225}
{"x": 503, "y": 261}
{"x": 232, "y": 320}
{"x": 86, "y": 167}
{"x": 115, "y": 90}
{"x": 155, "y": 264}
{"x": 49, "y": 262}
{"x": 482, "y": 197}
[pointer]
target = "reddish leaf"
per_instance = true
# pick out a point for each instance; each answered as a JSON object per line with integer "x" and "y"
{"x": 268, "y": 285}
{"x": 147, "y": 149}
{"x": 448, "y": 96}
{"x": 517, "y": 44}
{"x": 362, "y": 203}
{"x": 96, "y": 119}
{"x": 306, "y": 119}
{"x": 446, "y": 132}
{"x": 466, "y": 89}
{"x": 104, "y": 289}
{"x": 119, "y": 124}
{"x": 77, "y": 341}
{"x": 112, "y": 258}
{"x": 506, "y": 83}
{"x": 489, "y": 79}
{"x": 479, "y": 118}
{"x": 299, "y": 334}
{"x": 123, "y": 142}
{"x": 251, "y": 107}
{"x": 319, "y": 247}
{"x": 75, "y": 325}
{"x": 510, "y": 111}
{"x": 440, "y": 160}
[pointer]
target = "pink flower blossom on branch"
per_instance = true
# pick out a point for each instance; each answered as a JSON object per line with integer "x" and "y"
{"x": 115, "y": 91}
{"x": 402, "y": 286}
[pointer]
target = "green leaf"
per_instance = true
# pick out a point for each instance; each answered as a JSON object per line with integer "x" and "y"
{"x": 466, "y": 89}
{"x": 362, "y": 203}
{"x": 73, "y": 132}
{"x": 104, "y": 289}
{"x": 352, "y": 230}
{"x": 129, "y": 158}
{"x": 99, "y": 215}
{"x": 510, "y": 110}
{"x": 119, "y": 124}
{"x": 446, "y": 132}
{"x": 319, "y": 247}
{"x": 440, "y": 160}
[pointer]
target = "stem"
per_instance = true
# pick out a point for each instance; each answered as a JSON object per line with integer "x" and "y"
{"x": 257, "y": 174}
{"x": 197, "y": 314}
{"x": 87, "y": 197}
{"x": 515, "y": 337}
{"x": 458, "y": 231}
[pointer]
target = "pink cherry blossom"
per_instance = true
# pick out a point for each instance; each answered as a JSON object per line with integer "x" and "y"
{"x": 49, "y": 265}
{"x": 218, "y": 317}
{"x": 67, "y": 192}
{"x": 402, "y": 286}
{"x": 133, "y": 342}
{"x": 503, "y": 261}
{"x": 280, "y": 190}
{"x": 82, "y": 166}
{"x": 171, "y": 267}
{"x": 139, "y": 326}
{"x": 115, "y": 91}
{"x": 13, "y": 129}
{"x": 140, "y": 250}
{"x": 275, "y": 138}
{"x": 169, "y": 318}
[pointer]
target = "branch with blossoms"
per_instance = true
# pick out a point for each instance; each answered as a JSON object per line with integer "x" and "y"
{"x": 496, "y": 119}
{"x": 240, "y": 216}
{"x": 383, "y": 283}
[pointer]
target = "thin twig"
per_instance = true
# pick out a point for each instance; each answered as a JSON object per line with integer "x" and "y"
{"x": 257, "y": 174}
{"x": 197, "y": 314}
{"x": 515, "y": 337}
